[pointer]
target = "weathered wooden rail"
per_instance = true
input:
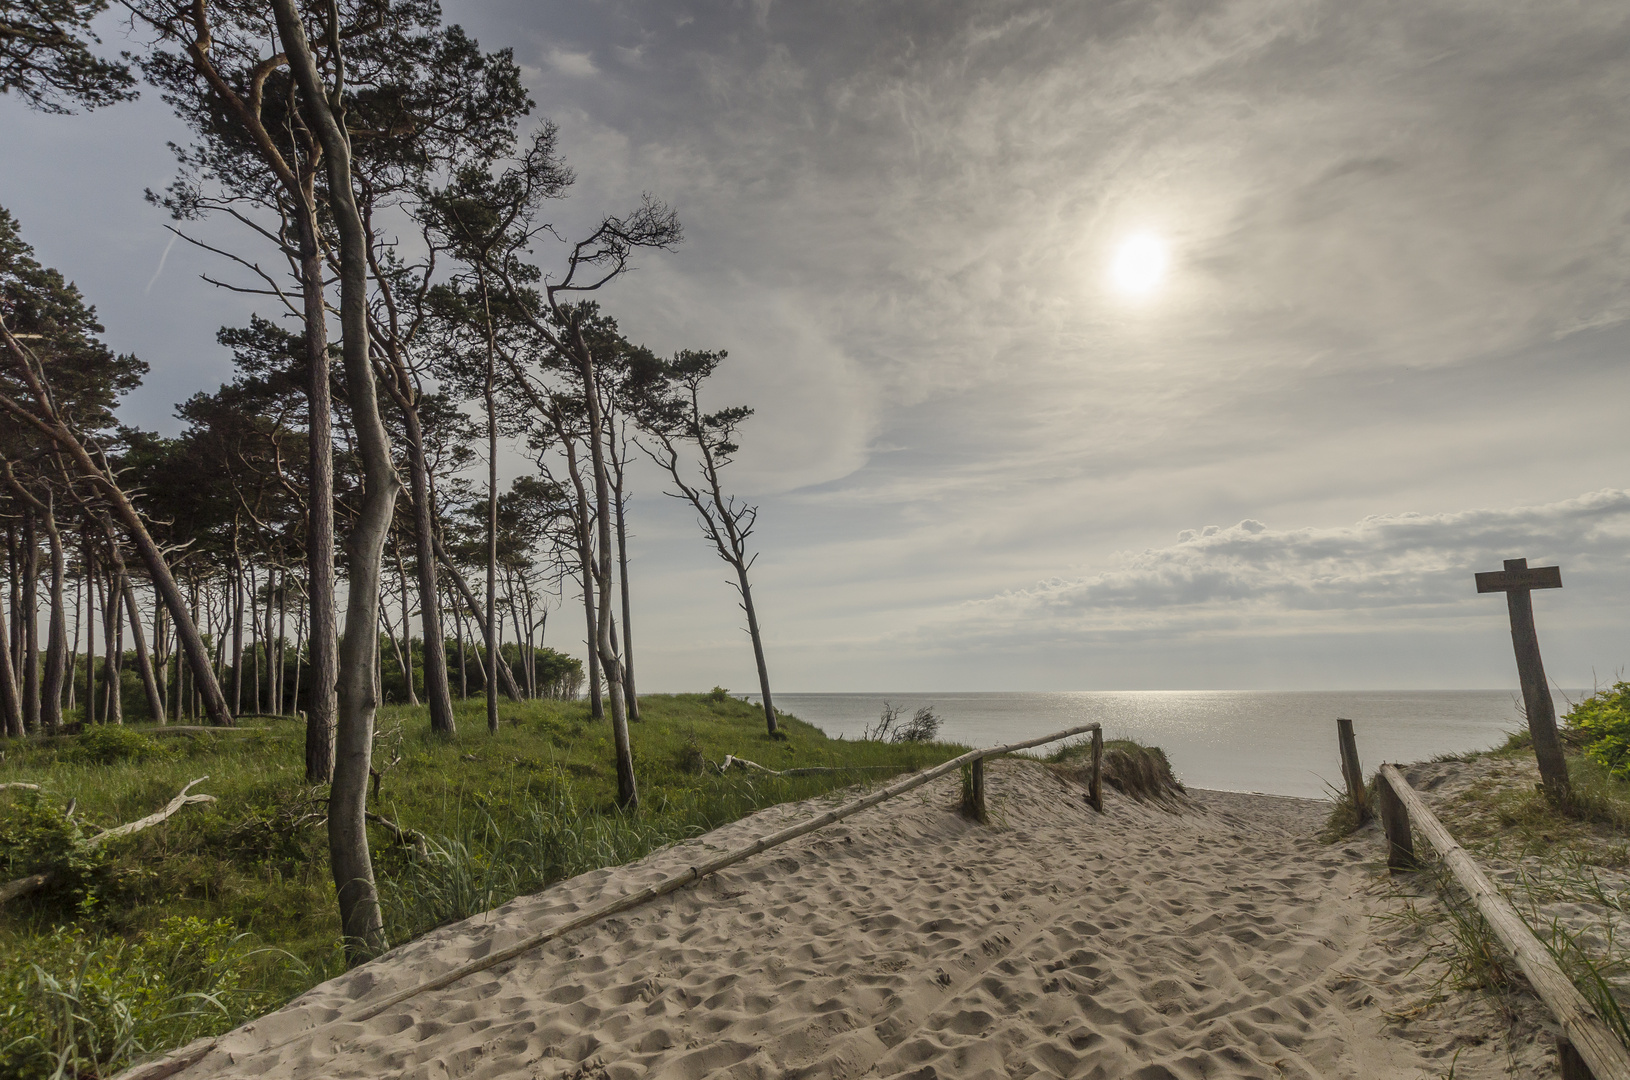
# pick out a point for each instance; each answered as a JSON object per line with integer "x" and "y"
{"x": 1588, "y": 1048}
{"x": 775, "y": 839}
{"x": 178, "y": 1060}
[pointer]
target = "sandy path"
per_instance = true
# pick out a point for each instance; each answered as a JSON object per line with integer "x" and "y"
{"x": 908, "y": 942}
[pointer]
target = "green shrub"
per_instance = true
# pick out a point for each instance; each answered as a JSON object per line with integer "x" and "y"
{"x": 112, "y": 742}
{"x": 718, "y": 695}
{"x": 1604, "y": 720}
{"x": 690, "y": 758}
{"x": 38, "y": 837}
{"x": 73, "y": 1005}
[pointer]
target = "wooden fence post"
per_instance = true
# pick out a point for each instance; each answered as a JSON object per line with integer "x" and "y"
{"x": 976, "y": 803}
{"x": 1351, "y": 770}
{"x": 1395, "y": 821}
{"x": 1570, "y": 1066}
{"x": 1095, "y": 792}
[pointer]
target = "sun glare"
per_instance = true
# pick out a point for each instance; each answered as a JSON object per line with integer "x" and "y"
{"x": 1140, "y": 265}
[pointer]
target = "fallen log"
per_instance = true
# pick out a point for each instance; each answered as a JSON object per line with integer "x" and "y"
{"x": 23, "y": 886}
{"x": 35, "y": 882}
{"x": 19, "y": 784}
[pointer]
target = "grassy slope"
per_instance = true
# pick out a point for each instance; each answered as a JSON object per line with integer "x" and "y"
{"x": 505, "y": 813}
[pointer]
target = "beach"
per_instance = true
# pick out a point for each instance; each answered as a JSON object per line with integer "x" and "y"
{"x": 1209, "y": 936}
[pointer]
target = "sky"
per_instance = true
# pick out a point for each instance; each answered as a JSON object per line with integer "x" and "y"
{"x": 1386, "y": 347}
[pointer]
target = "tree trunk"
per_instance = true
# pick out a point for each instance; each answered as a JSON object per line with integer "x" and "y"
{"x": 299, "y": 651}
{"x": 237, "y": 626}
{"x": 463, "y": 666}
{"x": 360, "y": 917}
{"x": 597, "y": 707}
{"x": 404, "y": 655}
{"x": 127, "y": 590}
{"x": 144, "y": 662}
{"x": 627, "y": 790}
{"x": 255, "y": 636}
{"x": 80, "y": 593}
{"x": 90, "y": 635}
{"x": 282, "y": 637}
{"x": 56, "y": 649}
{"x": 494, "y": 650}
{"x": 31, "y": 624}
{"x": 118, "y": 654}
{"x": 16, "y": 655}
{"x": 194, "y": 613}
{"x": 161, "y": 659}
{"x": 585, "y": 558}
{"x": 436, "y": 690}
{"x": 218, "y": 630}
{"x": 396, "y": 649}
{"x": 520, "y": 635}
{"x": 113, "y": 711}
{"x": 11, "y": 699}
{"x": 628, "y": 620}
{"x": 478, "y": 616}
{"x": 320, "y": 578}
{"x": 269, "y": 705}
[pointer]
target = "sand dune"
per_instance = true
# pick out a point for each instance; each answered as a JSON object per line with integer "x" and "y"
{"x": 1222, "y": 940}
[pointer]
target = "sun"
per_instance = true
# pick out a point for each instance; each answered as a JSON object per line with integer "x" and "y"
{"x": 1140, "y": 265}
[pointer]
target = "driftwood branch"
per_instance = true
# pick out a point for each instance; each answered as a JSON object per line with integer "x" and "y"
{"x": 19, "y": 784}
{"x": 150, "y": 820}
{"x": 732, "y": 761}
{"x": 406, "y": 837}
{"x": 35, "y": 882}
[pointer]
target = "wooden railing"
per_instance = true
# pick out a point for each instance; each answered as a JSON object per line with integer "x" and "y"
{"x": 188, "y": 1055}
{"x": 1588, "y": 1048}
{"x": 974, "y": 758}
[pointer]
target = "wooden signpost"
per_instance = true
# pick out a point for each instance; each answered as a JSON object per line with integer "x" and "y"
{"x": 1517, "y": 581}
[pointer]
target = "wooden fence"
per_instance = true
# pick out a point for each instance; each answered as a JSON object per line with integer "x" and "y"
{"x": 1588, "y": 1048}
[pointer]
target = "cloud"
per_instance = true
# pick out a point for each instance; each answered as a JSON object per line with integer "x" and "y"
{"x": 576, "y": 64}
{"x": 1422, "y": 563}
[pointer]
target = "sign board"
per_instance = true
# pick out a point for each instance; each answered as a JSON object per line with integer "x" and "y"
{"x": 1538, "y": 577}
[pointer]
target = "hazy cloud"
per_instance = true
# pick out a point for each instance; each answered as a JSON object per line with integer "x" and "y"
{"x": 1420, "y": 561}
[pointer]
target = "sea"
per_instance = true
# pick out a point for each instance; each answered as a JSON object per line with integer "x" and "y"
{"x": 1273, "y": 742}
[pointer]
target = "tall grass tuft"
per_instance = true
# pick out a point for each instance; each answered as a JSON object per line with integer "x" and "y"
{"x": 83, "y": 1006}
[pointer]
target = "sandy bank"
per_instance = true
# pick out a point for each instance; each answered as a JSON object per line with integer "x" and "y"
{"x": 1223, "y": 940}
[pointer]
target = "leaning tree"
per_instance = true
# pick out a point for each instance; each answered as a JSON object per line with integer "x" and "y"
{"x": 693, "y": 446}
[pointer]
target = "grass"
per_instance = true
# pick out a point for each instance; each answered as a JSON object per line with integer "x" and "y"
{"x": 1345, "y": 817}
{"x": 1549, "y": 861}
{"x": 485, "y": 818}
{"x": 1139, "y": 771}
